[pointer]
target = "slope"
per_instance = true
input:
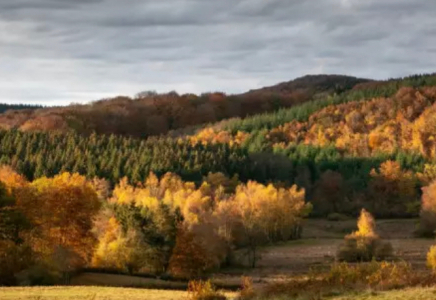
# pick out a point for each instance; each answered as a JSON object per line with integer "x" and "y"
{"x": 155, "y": 114}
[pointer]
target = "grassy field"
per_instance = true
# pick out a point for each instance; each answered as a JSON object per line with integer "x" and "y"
{"x": 408, "y": 294}
{"x": 90, "y": 293}
{"x": 104, "y": 293}
{"x": 87, "y": 293}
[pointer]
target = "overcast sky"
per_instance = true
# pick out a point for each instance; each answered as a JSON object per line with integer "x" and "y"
{"x": 63, "y": 51}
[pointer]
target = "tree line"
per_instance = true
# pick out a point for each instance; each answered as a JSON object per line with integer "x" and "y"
{"x": 52, "y": 227}
{"x": 334, "y": 181}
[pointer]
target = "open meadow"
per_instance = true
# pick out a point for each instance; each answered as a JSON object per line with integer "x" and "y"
{"x": 105, "y": 293}
{"x": 87, "y": 293}
{"x": 318, "y": 246}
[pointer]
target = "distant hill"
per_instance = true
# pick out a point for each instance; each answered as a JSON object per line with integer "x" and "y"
{"x": 313, "y": 84}
{"x": 4, "y": 107}
{"x": 155, "y": 114}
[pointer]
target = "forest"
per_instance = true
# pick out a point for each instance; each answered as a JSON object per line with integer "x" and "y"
{"x": 175, "y": 185}
{"x": 150, "y": 113}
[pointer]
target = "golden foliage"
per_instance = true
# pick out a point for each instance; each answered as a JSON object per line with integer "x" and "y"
{"x": 405, "y": 121}
{"x": 431, "y": 258}
{"x": 275, "y": 211}
{"x": 365, "y": 225}
{"x": 212, "y": 136}
{"x": 428, "y": 210}
{"x": 67, "y": 204}
{"x": 219, "y": 213}
{"x": 200, "y": 290}
{"x": 108, "y": 250}
{"x": 364, "y": 244}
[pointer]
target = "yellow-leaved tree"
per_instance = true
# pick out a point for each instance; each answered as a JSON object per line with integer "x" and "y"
{"x": 364, "y": 244}
{"x": 268, "y": 214}
{"x": 365, "y": 225}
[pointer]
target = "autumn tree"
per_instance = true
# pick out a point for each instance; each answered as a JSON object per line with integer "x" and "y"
{"x": 12, "y": 221}
{"x": 146, "y": 218}
{"x": 364, "y": 244}
{"x": 269, "y": 214}
{"x": 189, "y": 259}
{"x": 392, "y": 191}
{"x": 427, "y": 224}
{"x": 15, "y": 252}
{"x": 68, "y": 204}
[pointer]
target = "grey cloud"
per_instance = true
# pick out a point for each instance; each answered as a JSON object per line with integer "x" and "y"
{"x": 68, "y": 51}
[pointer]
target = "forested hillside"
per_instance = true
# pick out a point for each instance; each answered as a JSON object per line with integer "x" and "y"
{"x": 183, "y": 204}
{"x": 150, "y": 113}
{"x": 5, "y": 107}
{"x": 347, "y": 150}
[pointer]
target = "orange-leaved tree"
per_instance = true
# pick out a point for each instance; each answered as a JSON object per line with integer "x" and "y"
{"x": 67, "y": 206}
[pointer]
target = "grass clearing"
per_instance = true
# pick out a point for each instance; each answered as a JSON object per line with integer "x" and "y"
{"x": 406, "y": 294}
{"x": 90, "y": 293}
{"x": 116, "y": 280}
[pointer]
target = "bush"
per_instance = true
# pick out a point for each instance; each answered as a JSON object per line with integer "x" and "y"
{"x": 431, "y": 258}
{"x": 247, "y": 292}
{"x": 200, "y": 290}
{"x": 343, "y": 278}
{"x": 427, "y": 224}
{"x": 361, "y": 249}
{"x": 375, "y": 275}
{"x": 364, "y": 244}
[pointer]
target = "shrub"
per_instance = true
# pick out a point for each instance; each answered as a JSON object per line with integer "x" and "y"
{"x": 362, "y": 249}
{"x": 203, "y": 290}
{"x": 247, "y": 292}
{"x": 387, "y": 276}
{"x": 344, "y": 277}
{"x": 364, "y": 244}
{"x": 427, "y": 225}
{"x": 376, "y": 275}
{"x": 431, "y": 258}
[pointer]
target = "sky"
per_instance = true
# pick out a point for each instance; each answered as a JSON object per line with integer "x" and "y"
{"x": 56, "y": 52}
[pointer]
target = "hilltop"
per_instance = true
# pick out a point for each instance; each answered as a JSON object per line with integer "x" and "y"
{"x": 155, "y": 114}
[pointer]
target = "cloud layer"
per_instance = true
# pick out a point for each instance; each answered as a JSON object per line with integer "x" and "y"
{"x": 62, "y": 51}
